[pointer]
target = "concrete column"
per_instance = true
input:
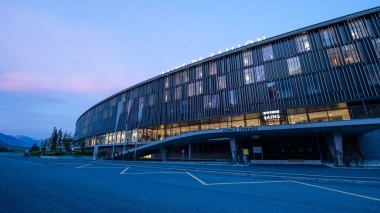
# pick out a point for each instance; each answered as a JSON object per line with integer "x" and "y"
{"x": 96, "y": 148}
{"x": 232, "y": 146}
{"x": 163, "y": 154}
{"x": 189, "y": 151}
{"x": 337, "y": 137}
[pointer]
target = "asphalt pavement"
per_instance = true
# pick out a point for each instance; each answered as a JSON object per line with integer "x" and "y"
{"x": 81, "y": 185}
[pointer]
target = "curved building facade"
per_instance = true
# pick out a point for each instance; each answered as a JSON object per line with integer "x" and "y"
{"x": 327, "y": 72}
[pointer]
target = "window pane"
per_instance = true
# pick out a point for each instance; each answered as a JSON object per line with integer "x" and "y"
{"x": 260, "y": 74}
{"x": 267, "y": 53}
{"x": 247, "y": 58}
{"x": 349, "y": 53}
{"x": 191, "y": 89}
{"x": 198, "y": 72}
{"x": 232, "y": 94}
{"x": 334, "y": 57}
{"x": 358, "y": 29}
{"x": 328, "y": 37}
{"x": 248, "y": 75}
{"x": 166, "y": 81}
{"x": 294, "y": 66}
{"x": 312, "y": 84}
{"x": 213, "y": 68}
{"x": 376, "y": 45}
{"x": 302, "y": 43}
{"x": 178, "y": 92}
{"x": 185, "y": 76}
{"x": 221, "y": 82}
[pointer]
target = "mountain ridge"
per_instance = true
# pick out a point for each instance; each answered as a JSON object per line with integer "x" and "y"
{"x": 19, "y": 140}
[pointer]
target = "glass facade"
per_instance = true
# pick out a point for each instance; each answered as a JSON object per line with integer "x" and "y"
{"x": 302, "y": 43}
{"x": 267, "y": 53}
{"x": 294, "y": 66}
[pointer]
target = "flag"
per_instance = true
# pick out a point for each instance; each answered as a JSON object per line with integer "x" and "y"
{"x": 129, "y": 108}
{"x": 141, "y": 106}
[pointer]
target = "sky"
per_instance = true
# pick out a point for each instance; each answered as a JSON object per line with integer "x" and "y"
{"x": 59, "y": 58}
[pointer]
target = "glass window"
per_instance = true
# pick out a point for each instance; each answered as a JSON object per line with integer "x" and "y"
{"x": 294, "y": 65}
{"x": 335, "y": 57}
{"x": 152, "y": 98}
{"x": 191, "y": 89}
{"x": 376, "y": 45}
{"x": 349, "y": 53}
{"x": 259, "y": 72}
{"x": 247, "y": 58}
{"x": 302, "y": 43}
{"x": 267, "y": 53}
{"x": 198, "y": 88}
{"x": 358, "y": 29}
{"x": 206, "y": 101}
{"x": 328, "y": 37}
{"x": 232, "y": 94}
{"x": 166, "y": 96}
{"x": 185, "y": 76}
{"x": 166, "y": 82}
{"x": 178, "y": 92}
{"x": 178, "y": 78}
{"x": 222, "y": 82}
{"x": 248, "y": 75}
{"x": 212, "y": 68}
{"x": 198, "y": 72}
{"x": 374, "y": 76}
{"x": 279, "y": 89}
{"x": 312, "y": 84}
{"x": 185, "y": 106}
{"x": 211, "y": 101}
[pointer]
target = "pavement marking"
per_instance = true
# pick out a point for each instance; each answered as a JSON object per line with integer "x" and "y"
{"x": 23, "y": 161}
{"x": 108, "y": 167}
{"x": 258, "y": 182}
{"x": 199, "y": 180}
{"x": 124, "y": 170}
{"x": 83, "y": 166}
{"x": 146, "y": 173}
{"x": 65, "y": 163}
{"x": 334, "y": 190}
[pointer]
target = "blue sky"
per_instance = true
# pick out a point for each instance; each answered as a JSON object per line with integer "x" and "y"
{"x": 58, "y": 58}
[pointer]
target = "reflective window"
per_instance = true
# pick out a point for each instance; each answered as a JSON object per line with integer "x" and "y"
{"x": 358, "y": 29}
{"x": 222, "y": 82}
{"x": 302, "y": 43}
{"x": 232, "y": 97}
{"x": 191, "y": 89}
{"x": 259, "y": 73}
{"x": 211, "y": 101}
{"x": 198, "y": 88}
{"x": 212, "y": 68}
{"x": 178, "y": 92}
{"x": 247, "y": 58}
{"x": 294, "y": 66}
{"x": 376, "y": 45}
{"x": 267, "y": 53}
{"x": 248, "y": 75}
{"x": 178, "y": 78}
{"x": 206, "y": 101}
{"x": 335, "y": 57}
{"x": 185, "y": 106}
{"x": 166, "y": 96}
{"x": 312, "y": 84}
{"x": 185, "y": 76}
{"x": 166, "y": 81}
{"x": 279, "y": 89}
{"x": 374, "y": 75}
{"x": 152, "y": 98}
{"x": 328, "y": 37}
{"x": 198, "y": 72}
{"x": 350, "y": 54}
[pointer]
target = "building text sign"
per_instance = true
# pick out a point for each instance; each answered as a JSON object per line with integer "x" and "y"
{"x": 241, "y": 129}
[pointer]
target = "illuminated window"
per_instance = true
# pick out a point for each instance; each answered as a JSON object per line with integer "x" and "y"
{"x": 191, "y": 89}
{"x": 212, "y": 68}
{"x": 302, "y": 43}
{"x": 247, "y": 58}
{"x": 328, "y": 37}
{"x": 210, "y": 101}
{"x": 376, "y": 45}
{"x": 178, "y": 92}
{"x": 334, "y": 57}
{"x": 198, "y": 72}
{"x": 279, "y": 89}
{"x": 358, "y": 29}
{"x": 248, "y": 75}
{"x": 294, "y": 66}
{"x": 222, "y": 82}
{"x": 185, "y": 76}
{"x": 166, "y": 82}
{"x": 198, "y": 88}
{"x": 259, "y": 72}
{"x": 267, "y": 53}
{"x": 349, "y": 54}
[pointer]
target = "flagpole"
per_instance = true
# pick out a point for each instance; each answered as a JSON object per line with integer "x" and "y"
{"x": 125, "y": 139}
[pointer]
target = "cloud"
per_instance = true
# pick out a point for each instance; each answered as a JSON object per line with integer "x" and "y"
{"x": 41, "y": 52}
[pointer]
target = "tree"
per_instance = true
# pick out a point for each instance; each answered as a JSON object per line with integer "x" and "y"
{"x": 34, "y": 148}
{"x": 66, "y": 141}
{"x": 82, "y": 146}
{"x": 53, "y": 139}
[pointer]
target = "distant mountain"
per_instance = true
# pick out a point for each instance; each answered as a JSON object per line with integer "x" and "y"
{"x": 20, "y": 140}
{"x": 2, "y": 143}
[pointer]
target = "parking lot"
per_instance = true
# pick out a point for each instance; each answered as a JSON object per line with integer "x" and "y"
{"x": 82, "y": 185}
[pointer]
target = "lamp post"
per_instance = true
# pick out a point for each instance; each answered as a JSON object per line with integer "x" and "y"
{"x": 361, "y": 96}
{"x": 225, "y": 112}
{"x": 117, "y": 121}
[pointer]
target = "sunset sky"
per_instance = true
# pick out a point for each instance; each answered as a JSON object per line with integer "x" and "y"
{"x": 59, "y": 58}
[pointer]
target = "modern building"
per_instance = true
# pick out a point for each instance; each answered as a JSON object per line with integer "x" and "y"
{"x": 309, "y": 94}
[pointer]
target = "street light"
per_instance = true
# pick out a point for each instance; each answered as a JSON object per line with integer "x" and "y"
{"x": 361, "y": 96}
{"x": 225, "y": 112}
{"x": 117, "y": 121}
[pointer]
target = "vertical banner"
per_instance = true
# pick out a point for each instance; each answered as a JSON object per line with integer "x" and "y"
{"x": 141, "y": 106}
{"x": 118, "y": 113}
{"x": 129, "y": 108}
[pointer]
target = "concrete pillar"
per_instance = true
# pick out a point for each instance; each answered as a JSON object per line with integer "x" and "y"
{"x": 95, "y": 154}
{"x": 334, "y": 141}
{"x": 163, "y": 154}
{"x": 189, "y": 151}
{"x": 232, "y": 146}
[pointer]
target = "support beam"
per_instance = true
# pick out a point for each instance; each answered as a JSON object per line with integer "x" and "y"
{"x": 232, "y": 146}
{"x": 95, "y": 154}
{"x": 189, "y": 151}
{"x": 334, "y": 141}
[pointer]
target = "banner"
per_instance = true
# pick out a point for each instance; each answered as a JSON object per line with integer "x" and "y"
{"x": 141, "y": 106}
{"x": 129, "y": 108}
